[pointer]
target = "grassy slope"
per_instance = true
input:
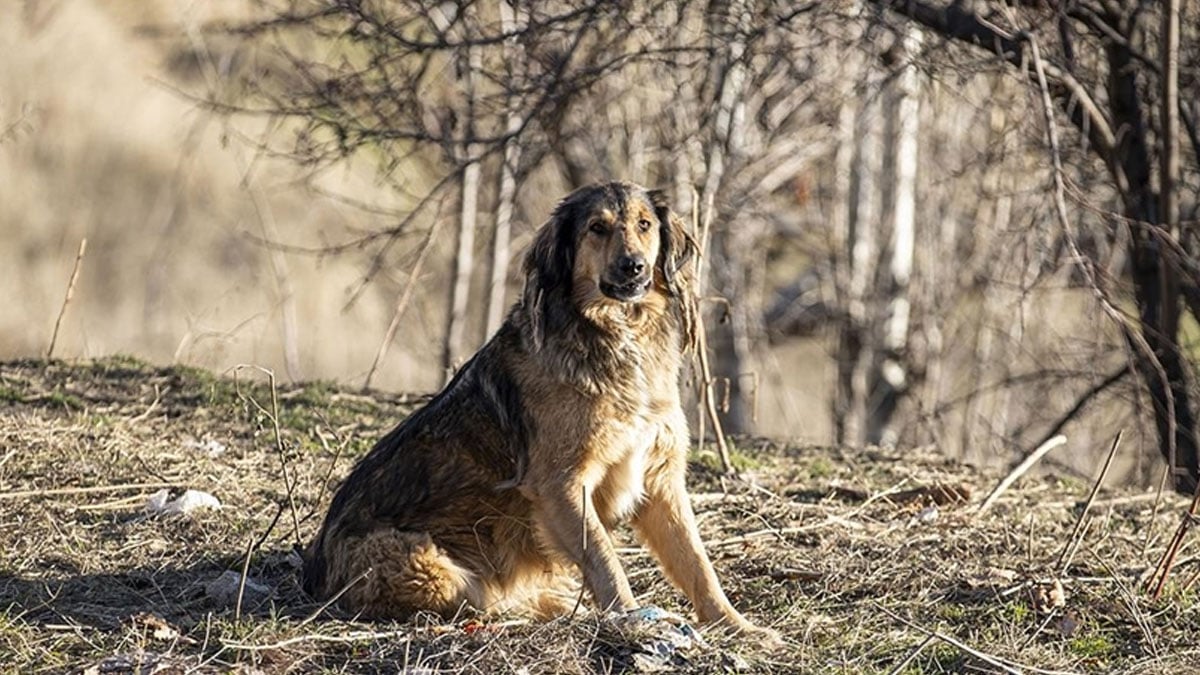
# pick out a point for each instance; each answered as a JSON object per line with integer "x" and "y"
{"x": 836, "y": 549}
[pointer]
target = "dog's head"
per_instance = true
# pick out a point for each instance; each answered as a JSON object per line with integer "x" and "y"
{"x": 608, "y": 245}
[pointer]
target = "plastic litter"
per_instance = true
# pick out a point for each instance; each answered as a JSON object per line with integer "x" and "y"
{"x": 160, "y": 503}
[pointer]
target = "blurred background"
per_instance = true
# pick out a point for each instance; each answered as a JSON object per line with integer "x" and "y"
{"x": 344, "y": 190}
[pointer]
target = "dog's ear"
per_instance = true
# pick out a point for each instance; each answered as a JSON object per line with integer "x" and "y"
{"x": 547, "y": 269}
{"x": 676, "y": 250}
{"x": 676, "y": 247}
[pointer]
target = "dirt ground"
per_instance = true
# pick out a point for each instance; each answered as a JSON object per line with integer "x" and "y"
{"x": 865, "y": 560}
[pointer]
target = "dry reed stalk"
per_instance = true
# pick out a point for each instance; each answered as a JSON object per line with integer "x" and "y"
{"x": 67, "y": 299}
{"x": 289, "y": 482}
{"x": 706, "y": 379}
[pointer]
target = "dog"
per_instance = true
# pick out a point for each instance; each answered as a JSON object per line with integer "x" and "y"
{"x": 565, "y": 423}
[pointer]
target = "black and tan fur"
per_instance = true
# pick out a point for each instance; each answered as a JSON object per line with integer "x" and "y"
{"x": 567, "y": 421}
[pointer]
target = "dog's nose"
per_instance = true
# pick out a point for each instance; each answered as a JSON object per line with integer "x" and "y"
{"x": 631, "y": 265}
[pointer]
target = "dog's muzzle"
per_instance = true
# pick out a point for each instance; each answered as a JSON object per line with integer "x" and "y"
{"x": 627, "y": 279}
{"x": 628, "y": 291}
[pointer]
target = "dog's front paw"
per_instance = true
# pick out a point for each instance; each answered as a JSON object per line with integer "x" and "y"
{"x": 765, "y": 637}
{"x": 740, "y": 625}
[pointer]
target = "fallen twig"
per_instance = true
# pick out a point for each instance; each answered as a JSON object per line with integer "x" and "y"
{"x": 912, "y": 655}
{"x": 1003, "y": 664}
{"x": 1020, "y": 470}
{"x": 336, "y": 596}
{"x": 355, "y": 636}
{"x": 54, "y": 492}
{"x": 782, "y": 532}
{"x": 237, "y": 611}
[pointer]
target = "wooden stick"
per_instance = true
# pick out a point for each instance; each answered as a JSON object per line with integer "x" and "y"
{"x": 289, "y": 480}
{"x": 912, "y": 655}
{"x": 51, "y": 492}
{"x": 1020, "y": 470}
{"x": 1163, "y": 569}
{"x": 1064, "y": 559}
{"x": 237, "y": 611}
{"x": 336, "y": 596}
{"x": 1003, "y": 664}
{"x": 67, "y": 299}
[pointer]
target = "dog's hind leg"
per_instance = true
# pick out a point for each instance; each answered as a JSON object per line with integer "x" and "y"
{"x": 541, "y": 589}
{"x": 402, "y": 573}
{"x": 555, "y": 594}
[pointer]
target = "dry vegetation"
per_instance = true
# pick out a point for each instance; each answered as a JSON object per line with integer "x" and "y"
{"x": 858, "y": 557}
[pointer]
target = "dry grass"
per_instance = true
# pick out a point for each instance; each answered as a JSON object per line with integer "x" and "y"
{"x": 857, "y": 557}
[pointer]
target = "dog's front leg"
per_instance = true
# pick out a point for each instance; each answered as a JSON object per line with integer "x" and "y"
{"x": 667, "y": 525}
{"x": 569, "y": 519}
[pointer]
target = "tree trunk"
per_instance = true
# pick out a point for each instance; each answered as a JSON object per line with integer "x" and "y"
{"x": 731, "y": 339}
{"x": 1156, "y": 282}
{"x": 854, "y": 340}
{"x": 890, "y": 376}
{"x": 455, "y": 347}
{"x": 839, "y": 216}
{"x": 506, "y": 193}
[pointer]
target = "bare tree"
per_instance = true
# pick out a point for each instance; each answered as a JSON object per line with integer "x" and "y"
{"x": 1094, "y": 72}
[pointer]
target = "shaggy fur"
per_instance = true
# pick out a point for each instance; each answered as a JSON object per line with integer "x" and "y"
{"x": 567, "y": 421}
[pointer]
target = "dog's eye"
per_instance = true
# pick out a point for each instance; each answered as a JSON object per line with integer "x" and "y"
{"x": 597, "y": 228}
{"x": 644, "y": 225}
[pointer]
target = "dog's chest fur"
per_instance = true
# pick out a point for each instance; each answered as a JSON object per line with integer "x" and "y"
{"x": 631, "y": 387}
{"x": 623, "y": 470}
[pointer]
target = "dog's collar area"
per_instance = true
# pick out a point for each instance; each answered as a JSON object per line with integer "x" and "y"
{"x": 629, "y": 292}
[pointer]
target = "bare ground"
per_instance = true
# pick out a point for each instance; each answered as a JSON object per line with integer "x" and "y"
{"x": 865, "y": 560}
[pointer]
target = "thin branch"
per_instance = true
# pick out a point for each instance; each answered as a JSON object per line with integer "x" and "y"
{"x": 1084, "y": 399}
{"x": 67, "y": 299}
{"x": 1068, "y": 553}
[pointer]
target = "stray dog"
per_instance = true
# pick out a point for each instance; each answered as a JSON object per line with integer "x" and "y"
{"x": 567, "y": 421}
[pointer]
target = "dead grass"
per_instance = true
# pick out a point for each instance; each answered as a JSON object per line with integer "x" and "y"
{"x": 857, "y": 557}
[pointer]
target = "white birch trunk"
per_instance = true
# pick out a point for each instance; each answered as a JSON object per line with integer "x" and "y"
{"x": 839, "y": 216}
{"x": 892, "y": 380}
{"x": 506, "y": 192}
{"x": 854, "y": 347}
{"x": 456, "y": 328}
